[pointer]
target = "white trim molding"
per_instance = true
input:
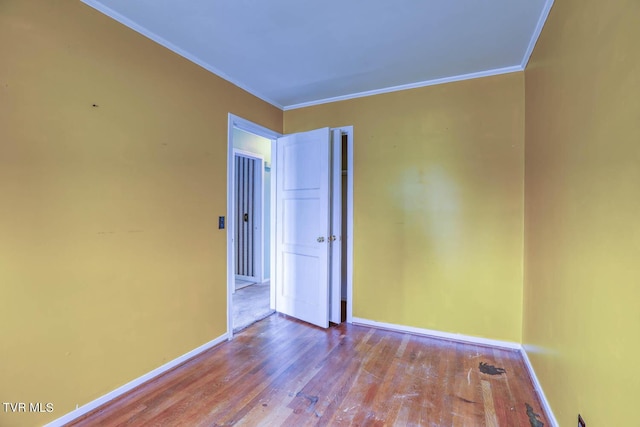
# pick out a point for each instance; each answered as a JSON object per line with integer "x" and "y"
{"x": 84, "y": 409}
{"x": 433, "y": 82}
{"x": 437, "y": 334}
{"x": 97, "y": 5}
{"x": 538, "y": 387}
{"x": 251, "y": 127}
{"x": 237, "y": 122}
{"x": 536, "y": 33}
{"x": 77, "y": 413}
{"x": 348, "y": 130}
{"x": 550, "y": 417}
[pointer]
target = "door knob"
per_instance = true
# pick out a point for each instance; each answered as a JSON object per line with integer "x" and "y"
{"x": 332, "y": 238}
{"x": 320, "y": 239}
{"x": 246, "y": 217}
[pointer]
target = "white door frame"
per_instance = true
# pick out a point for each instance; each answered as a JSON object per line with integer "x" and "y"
{"x": 348, "y": 130}
{"x": 235, "y": 122}
{"x": 248, "y": 126}
{"x": 258, "y": 200}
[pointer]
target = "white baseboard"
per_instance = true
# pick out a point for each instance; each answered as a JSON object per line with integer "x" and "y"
{"x": 545, "y": 403}
{"x": 472, "y": 340}
{"x": 438, "y": 334}
{"x": 134, "y": 383}
{"x": 356, "y": 320}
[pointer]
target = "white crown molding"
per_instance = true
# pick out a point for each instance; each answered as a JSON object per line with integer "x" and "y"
{"x": 536, "y": 384}
{"x": 84, "y": 409}
{"x": 487, "y": 73}
{"x": 438, "y": 334}
{"x": 163, "y": 42}
{"x": 536, "y": 33}
{"x": 96, "y": 4}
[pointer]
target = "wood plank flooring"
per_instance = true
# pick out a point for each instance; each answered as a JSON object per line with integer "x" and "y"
{"x": 280, "y": 371}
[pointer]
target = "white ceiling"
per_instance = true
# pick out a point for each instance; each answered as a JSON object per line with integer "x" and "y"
{"x": 293, "y": 53}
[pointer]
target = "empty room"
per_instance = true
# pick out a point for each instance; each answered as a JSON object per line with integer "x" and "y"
{"x": 447, "y": 229}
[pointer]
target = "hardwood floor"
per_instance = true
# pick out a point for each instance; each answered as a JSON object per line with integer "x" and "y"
{"x": 280, "y": 371}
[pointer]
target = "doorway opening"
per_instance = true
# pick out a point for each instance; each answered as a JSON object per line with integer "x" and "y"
{"x": 248, "y": 146}
{"x": 248, "y": 226}
{"x": 344, "y": 182}
{"x": 252, "y": 194}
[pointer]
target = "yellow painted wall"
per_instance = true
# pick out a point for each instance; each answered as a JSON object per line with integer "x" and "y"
{"x": 438, "y": 204}
{"x": 111, "y": 263}
{"x": 582, "y": 269}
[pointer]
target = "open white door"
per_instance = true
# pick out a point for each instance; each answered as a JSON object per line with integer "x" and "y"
{"x": 303, "y": 226}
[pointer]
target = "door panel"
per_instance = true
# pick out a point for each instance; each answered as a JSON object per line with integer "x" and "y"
{"x": 309, "y": 176}
{"x": 303, "y": 226}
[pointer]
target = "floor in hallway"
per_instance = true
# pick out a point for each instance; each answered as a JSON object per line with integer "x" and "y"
{"x": 250, "y": 304}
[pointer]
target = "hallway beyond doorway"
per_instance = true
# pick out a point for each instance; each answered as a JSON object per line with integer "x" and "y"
{"x": 250, "y": 304}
